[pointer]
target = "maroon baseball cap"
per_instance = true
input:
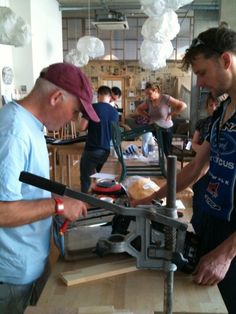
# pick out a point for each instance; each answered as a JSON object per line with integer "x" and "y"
{"x": 74, "y": 81}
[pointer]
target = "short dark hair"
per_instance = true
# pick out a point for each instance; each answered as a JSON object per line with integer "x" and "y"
{"x": 211, "y": 43}
{"x": 104, "y": 90}
{"x": 153, "y": 86}
{"x": 116, "y": 91}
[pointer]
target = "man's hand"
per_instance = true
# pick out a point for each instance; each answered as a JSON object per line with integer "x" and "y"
{"x": 213, "y": 266}
{"x": 144, "y": 201}
{"x": 73, "y": 209}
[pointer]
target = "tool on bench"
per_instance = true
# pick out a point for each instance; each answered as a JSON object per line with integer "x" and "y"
{"x": 56, "y": 141}
{"x": 162, "y": 252}
{"x": 107, "y": 186}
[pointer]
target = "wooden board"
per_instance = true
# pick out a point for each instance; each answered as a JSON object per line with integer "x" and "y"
{"x": 106, "y": 309}
{"x": 50, "y": 310}
{"x": 188, "y": 313}
{"x": 102, "y": 310}
{"x": 98, "y": 272}
{"x": 96, "y": 309}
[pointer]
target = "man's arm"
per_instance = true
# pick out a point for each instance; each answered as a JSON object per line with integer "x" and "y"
{"x": 213, "y": 266}
{"x": 187, "y": 176}
{"x": 142, "y": 110}
{"x": 83, "y": 124}
{"x": 195, "y": 140}
{"x": 17, "y": 213}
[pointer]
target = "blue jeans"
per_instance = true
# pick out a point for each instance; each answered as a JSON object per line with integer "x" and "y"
{"x": 167, "y": 135}
{"x": 15, "y": 298}
{"x": 146, "y": 137}
{"x": 91, "y": 162}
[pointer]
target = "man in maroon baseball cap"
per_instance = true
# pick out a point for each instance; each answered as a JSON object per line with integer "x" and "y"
{"x": 74, "y": 81}
{"x": 58, "y": 96}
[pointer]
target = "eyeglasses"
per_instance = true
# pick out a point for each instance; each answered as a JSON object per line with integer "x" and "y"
{"x": 196, "y": 42}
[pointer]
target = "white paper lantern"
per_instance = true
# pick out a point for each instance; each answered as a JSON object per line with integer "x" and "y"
{"x": 159, "y": 64}
{"x": 153, "y": 7}
{"x": 13, "y": 30}
{"x": 77, "y": 58}
{"x": 158, "y": 7}
{"x": 91, "y": 46}
{"x": 153, "y": 55}
{"x": 160, "y": 29}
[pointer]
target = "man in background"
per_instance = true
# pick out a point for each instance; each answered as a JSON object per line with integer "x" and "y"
{"x": 98, "y": 141}
{"x": 115, "y": 96}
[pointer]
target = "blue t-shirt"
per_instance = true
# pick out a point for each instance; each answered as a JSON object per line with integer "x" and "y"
{"x": 99, "y": 133}
{"x": 219, "y": 199}
{"x": 24, "y": 249}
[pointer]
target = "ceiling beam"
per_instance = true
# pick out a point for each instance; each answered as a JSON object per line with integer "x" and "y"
{"x": 79, "y": 7}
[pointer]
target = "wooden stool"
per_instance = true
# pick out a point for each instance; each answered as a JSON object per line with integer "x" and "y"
{"x": 52, "y": 152}
{"x": 69, "y": 131}
{"x": 65, "y": 156}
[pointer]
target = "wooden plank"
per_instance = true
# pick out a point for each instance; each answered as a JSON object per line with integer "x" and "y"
{"x": 189, "y": 313}
{"x": 50, "y": 310}
{"x": 98, "y": 272}
{"x": 102, "y": 310}
{"x": 122, "y": 312}
{"x": 106, "y": 309}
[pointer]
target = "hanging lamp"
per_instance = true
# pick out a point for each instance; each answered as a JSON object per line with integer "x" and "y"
{"x": 88, "y": 47}
{"x": 13, "y": 29}
{"x": 158, "y": 30}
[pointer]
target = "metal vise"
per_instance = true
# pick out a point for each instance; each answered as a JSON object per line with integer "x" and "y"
{"x": 157, "y": 240}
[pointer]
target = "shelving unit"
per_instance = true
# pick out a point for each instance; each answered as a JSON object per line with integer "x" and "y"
{"x": 132, "y": 79}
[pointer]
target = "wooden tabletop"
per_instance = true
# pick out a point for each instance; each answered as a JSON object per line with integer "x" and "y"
{"x": 140, "y": 292}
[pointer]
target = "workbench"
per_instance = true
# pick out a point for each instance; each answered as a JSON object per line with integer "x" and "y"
{"x": 140, "y": 292}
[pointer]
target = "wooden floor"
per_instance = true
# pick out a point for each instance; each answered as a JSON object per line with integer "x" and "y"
{"x": 140, "y": 292}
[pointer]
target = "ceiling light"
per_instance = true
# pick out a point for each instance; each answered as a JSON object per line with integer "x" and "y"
{"x": 111, "y": 25}
{"x": 113, "y": 21}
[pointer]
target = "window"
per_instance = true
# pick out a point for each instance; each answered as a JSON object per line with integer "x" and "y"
{"x": 122, "y": 44}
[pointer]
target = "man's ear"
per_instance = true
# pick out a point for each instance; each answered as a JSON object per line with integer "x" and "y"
{"x": 227, "y": 59}
{"x": 56, "y": 97}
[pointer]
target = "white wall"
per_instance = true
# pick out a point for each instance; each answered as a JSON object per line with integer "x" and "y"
{"x": 46, "y": 22}
{"x": 5, "y": 60}
{"x": 45, "y": 47}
